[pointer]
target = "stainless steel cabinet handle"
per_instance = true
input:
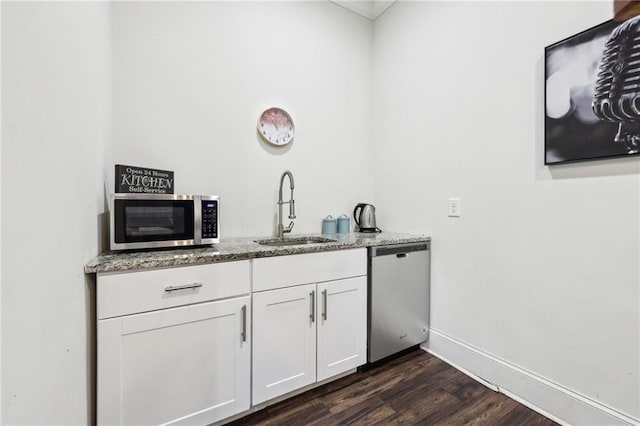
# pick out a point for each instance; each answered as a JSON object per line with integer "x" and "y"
{"x": 244, "y": 323}
{"x": 183, "y": 287}
{"x": 324, "y": 305}
{"x": 313, "y": 306}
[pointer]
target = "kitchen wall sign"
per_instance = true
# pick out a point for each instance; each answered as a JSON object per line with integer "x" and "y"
{"x": 592, "y": 94}
{"x": 131, "y": 179}
{"x": 276, "y": 126}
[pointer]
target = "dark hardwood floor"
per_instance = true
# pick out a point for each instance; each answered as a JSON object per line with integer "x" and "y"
{"x": 414, "y": 389}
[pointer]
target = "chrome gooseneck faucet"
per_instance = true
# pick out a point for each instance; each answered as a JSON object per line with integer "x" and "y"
{"x": 291, "y": 202}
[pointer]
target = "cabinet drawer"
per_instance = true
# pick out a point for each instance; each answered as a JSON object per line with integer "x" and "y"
{"x": 133, "y": 292}
{"x": 284, "y": 271}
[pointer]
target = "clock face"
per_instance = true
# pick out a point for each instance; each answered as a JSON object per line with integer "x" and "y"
{"x": 276, "y": 127}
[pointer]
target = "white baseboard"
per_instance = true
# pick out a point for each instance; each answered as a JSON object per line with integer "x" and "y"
{"x": 558, "y": 403}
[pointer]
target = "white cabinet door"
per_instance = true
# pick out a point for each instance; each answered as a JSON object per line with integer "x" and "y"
{"x": 184, "y": 365}
{"x": 284, "y": 330}
{"x": 342, "y": 326}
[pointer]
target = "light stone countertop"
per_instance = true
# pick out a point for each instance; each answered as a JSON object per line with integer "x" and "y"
{"x": 238, "y": 249}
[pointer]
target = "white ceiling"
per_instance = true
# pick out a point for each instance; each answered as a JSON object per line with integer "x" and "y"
{"x": 368, "y": 8}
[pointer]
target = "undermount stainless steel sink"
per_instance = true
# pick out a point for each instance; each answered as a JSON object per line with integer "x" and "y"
{"x": 294, "y": 241}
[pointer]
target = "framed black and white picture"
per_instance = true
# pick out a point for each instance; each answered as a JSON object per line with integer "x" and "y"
{"x": 592, "y": 94}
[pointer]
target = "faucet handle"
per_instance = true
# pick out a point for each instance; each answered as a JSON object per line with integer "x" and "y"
{"x": 289, "y": 228}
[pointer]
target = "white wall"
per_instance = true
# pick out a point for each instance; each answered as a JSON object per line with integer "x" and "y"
{"x": 0, "y": 233}
{"x": 541, "y": 271}
{"x": 55, "y": 123}
{"x": 190, "y": 81}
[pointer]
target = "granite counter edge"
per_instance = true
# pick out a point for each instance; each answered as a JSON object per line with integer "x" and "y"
{"x": 123, "y": 262}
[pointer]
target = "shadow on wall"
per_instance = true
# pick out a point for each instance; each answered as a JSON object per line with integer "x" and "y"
{"x": 103, "y": 232}
{"x": 90, "y": 286}
{"x": 599, "y": 168}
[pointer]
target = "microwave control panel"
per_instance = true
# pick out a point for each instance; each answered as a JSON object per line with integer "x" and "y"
{"x": 209, "y": 219}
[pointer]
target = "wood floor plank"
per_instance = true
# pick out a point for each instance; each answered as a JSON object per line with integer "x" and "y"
{"x": 522, "y": 415}
{"x": 288, "y": 413}
{"x": 430, "y": 409}
{"x": 466, "y": 390}
{"x": 370, "y": 411}
{"x": 353, "y": 395}
{"x": 384, "y": 381}
{"x": 483, "y": 411}
{"x": 426, "y": 373}
{"x": 414, "y": 389}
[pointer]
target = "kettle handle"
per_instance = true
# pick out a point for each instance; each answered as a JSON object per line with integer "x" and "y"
{"x": 355, "y": 216}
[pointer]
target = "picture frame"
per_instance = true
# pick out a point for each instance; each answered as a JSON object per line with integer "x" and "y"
{"x": 591, "y": 94}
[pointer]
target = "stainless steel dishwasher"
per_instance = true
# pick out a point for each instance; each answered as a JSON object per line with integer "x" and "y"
{"x": 398, "y": 310}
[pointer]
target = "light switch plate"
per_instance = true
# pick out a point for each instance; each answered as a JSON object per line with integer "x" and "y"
{"x": 455, "y": 207}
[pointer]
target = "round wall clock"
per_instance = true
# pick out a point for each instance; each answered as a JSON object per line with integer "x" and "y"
{"x": 276, "y": 126}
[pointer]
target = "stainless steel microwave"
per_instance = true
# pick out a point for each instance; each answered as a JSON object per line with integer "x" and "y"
{"x": 140, "y": 221}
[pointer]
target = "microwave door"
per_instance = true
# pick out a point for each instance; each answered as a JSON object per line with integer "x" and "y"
{"x": 152, "y": 222}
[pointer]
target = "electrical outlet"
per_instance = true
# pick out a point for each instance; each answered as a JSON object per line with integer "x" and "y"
{"x": 455, "y": 207}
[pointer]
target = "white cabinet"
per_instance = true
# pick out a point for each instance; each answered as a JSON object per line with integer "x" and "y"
{"x": 284, "y": 338}
{"x": 309, "y": 319}
{"x": 342, "y": 326}
{"x": 184, "y": 364}
{"x": 193, "y": 345}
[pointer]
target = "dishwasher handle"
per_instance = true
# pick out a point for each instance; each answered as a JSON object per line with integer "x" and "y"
{"x": 400, "y": 250}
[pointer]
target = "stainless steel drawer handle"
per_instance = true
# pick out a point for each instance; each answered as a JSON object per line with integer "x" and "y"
{"x": 244, "y": 323}
{"x": 182, "y": 287}
{"x": 313, "y": 305}
{"x": 324, "y": 305}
